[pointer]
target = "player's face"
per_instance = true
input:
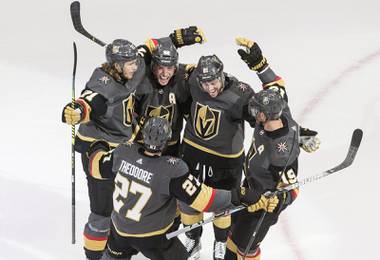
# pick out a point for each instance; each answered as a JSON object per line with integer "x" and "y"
{"x": 163, "y": 74}
{"x": 130, "y": 68}
{"x": 212, "y": 87}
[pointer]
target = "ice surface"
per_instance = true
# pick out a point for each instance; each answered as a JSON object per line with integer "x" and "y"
{"x": 327, "y": 51}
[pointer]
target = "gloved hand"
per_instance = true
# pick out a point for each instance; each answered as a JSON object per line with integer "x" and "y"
{"x": 252, "y": 54}
{"x": 268, "y": 204}
{"x": 253, "y": 200}
{"x": 309, "y": 140}
{"x": 72, "y": 116}
{"x": 187, "y": 36}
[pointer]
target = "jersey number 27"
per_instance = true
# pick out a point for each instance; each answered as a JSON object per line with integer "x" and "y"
{"x": 121, "y": 193}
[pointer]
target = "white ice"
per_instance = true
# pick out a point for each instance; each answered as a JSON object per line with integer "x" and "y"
{"x": 328, "y": 52}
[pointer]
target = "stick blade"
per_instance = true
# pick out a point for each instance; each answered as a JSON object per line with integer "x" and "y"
{"x": 75, "y": 15}
{"x": 78, "y": 26}
{"x": 357, "y": 136}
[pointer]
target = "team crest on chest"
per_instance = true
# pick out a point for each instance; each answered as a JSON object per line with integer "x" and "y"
{"x": 166, "y": 112}
{"x": 206, "y": 121}
{"x": 128, "y": 110}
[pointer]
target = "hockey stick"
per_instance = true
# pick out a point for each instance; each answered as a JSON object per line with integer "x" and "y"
{"x": 77, "y": 22}
{"x": 73, "y": 151}
{"x": 354, "y": 146}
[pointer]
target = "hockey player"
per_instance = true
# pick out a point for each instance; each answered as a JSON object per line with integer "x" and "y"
{"x": 271, "y": 163}
{"x": 214, "y": 136}
{"x": 164, "y": 93}
{"x": 272, "y": 158}
{"x": 213, "y": 141}
{"x": 146, "y": 187}
{"x": 105, "y": 112}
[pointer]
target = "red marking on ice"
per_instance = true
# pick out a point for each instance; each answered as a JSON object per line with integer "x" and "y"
{"x": 331, "y": 85}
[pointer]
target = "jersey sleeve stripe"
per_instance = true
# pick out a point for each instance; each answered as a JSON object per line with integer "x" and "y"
{"x": 294, "y": 193}
{"x": 204, "y": 199}
{"x": 94, "y": 165}
{"x": 86, "y": 110}
{"x": 211, "y": 200}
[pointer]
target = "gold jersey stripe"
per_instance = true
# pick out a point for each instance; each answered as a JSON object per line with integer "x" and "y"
{"x": 94, "y": 245}
{"x": 87, "y": 110}
{"x": 207, "y": 150}
{"x": 94, "y": 165}
{"x": 278, "y": 81}
{"x": 148, "y": 234}
{"x": 91, "y": 140}
{"x": 203, "y": 198}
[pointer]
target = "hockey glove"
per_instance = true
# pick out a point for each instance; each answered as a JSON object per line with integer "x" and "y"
{"x": 309, "y": 140}
{"x": 252, "y": 54}
{"x": 73, "y": 116}
{"x": 96, "y": 146}
{"x": 187, "y": 36}
{"x": 268, "y": 204}
{"x": 254, "y": 200}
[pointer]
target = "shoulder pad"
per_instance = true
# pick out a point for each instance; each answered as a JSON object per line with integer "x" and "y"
{"x": 100, "y": 78}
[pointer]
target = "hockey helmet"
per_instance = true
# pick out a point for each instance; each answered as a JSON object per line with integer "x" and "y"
{"x": 268, "y": 101}
{"x": 156, "y": 133}
{"x": 121, "y": 51}
{"x": 210, "y": 68}
{"x": 165, "y": 55}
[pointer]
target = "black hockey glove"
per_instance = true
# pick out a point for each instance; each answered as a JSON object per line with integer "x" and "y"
{"x": 187, "y": 36}
{"x": 253, "y": 200}
{"x": 309, "y": 140}
{"x": 96, "y": 146}
{"x": 72, "y": 116}
{"x": 252, "y": 54}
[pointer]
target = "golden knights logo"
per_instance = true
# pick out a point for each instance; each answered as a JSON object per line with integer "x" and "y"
{"x": 206, "y": 121}
{"x": 166, "y": 112}
{"x": 128, "y": 109}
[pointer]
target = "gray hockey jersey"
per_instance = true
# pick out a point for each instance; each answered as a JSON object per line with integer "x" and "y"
{"x": 270, "y": 152}
{"x": 146, "y": 189}
{"x": 115, "y": 126}
{"x": 168, "y": 102}
{"x": 216, "y": 125}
